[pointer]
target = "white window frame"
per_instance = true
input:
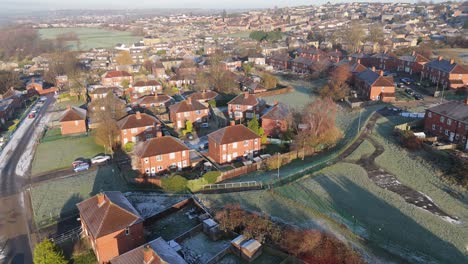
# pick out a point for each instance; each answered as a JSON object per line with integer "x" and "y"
{"x": 433, "y": 127}
{"x": 449, "y": 121}
{"x": 429, "y": 114}
{"x": 146, "y": 160}
{"x": 234, "y": 145}
{"x": 159, "y": 157}
{"x": 172, "y": 155}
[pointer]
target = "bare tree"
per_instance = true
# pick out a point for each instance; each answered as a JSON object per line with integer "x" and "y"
{"x": 376, "y": 33}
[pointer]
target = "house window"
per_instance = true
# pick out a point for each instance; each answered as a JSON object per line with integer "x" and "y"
{"x": 457, "y": 137}
{"x": 234, "y": 145}
{"x": 153, "y": 170}
{"x": 433, "y": 127}
{"x": 234, "y": 155}
{"x": 183, "y": 153}
{"x": 172, "y": 155}
{"x": 134, "y": 130}
{"x": 246, "y": 143}
{"x": 442, "y": 119}
{"x": 446, "y": 132}
{"x": 127, "y": 231}
{"x": 147, "y": 171}
{"x": 159, "y": 168}
{"x": 76, "y": 123}
{"x": 224, "y": 147}
{"x": 187, "y": 114}
{"x": 184, "y": 163}
{"x": 198, "y": 112}
{"x": 159, "y": 157}
{"x": 429, "y": 114}
{"x": 238, "y": 107}
{"x": 238, "y": 114}
{"x": 256, "y": 141}
{"x": 146, "y": 160}
{"x": 449, "y": 121}
{"x": 383, "y": 88}
{"x": 224, "y": 156}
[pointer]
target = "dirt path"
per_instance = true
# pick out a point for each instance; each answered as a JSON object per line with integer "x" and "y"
{"x": 388, "y": 181}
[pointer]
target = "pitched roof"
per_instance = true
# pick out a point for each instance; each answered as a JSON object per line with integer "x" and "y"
{"x": 456, "y": 110}
{"x": 154, "y": 99}
{"x": 372, "y": 78}
{"x": 186, "y": 106}
{"x": 113, "y": 74}
{"x": 358, "y": 67}
{"x": 159, "y": 146}
{"x": 446, "y": 66}
{"x": 73, "y": 114}
{"x": 414, "y": 58}
{"x": 160, "y": 250}
{"x": 132, "y": 121}
{"x": 114, "y": 214}
{"x": 204, "y": 95}
{"x": 232, "y": 134}
{"x": 244, "y": 99}
{"x": 147, "y": 83}
{"x": 104, "y": 90}
{"x": 279, "y": 111}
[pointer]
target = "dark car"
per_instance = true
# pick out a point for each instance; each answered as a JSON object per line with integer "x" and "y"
{"x": 418, "y": 97}
{"x": 409, "y": 91}
{"x": 189, "y": 136}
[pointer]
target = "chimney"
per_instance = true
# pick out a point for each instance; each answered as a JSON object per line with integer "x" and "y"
{"x": 440, "y": 58}
{"x": 452, "y": 61}
{"x": 138, "y": 115}
{"x": 386, "y": 50}
{"x": 413, "y": 53}
{"x": 275, "y": 103}
{"x": 100, "y": 199}
{"x": 381, "y": 73}
{"x": 466, "y": 101}
{"x": 350, "y": 58}
{"x": 68, "y": 107}
{"x": 373, "y": 68}
{"x": 232, "y": 123}
{"x": 147, "y": 254}
{"x": 246, "y": 95}
{"x": 189, "y": 100}
{"x": 159, "y": 134}
{"x": 359, "y": 61}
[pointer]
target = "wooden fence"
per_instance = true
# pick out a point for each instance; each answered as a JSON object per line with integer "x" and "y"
{"x": 279, "y": 91}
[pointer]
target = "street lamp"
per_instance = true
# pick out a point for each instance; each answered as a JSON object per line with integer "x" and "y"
{"x": 278, "y": 155}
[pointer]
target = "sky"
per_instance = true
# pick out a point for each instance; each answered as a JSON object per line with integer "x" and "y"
{"x": 123, "y": 4}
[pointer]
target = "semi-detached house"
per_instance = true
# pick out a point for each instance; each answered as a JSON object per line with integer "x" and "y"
{"x": 138, "y": 127}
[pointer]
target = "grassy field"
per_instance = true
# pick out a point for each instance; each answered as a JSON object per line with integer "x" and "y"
{"x": 91, "y": 37}
{"x": 459, "y": 55}
{"x": 59, "y": 154}
{"x": 365, "y": 149}
{"x": 58, "y": 198}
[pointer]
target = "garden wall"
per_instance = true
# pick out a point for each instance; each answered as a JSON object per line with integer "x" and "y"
{"x": 275, "y": 92}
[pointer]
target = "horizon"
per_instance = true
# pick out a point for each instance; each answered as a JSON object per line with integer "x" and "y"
{"x": 56, "y": 5}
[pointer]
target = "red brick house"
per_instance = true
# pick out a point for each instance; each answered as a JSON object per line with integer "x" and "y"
{"x": 279, "y": 62}
{"x": 448, "y": 73}
{"x": 231, "y": 142}
{"x": 115, "y": 78}
{"x": 37, "y": 86}
{"x": 187, "y": 68}
{"x": 73, "y": 121}
{"x": 311, "y": 53}
{"x": 383, "y": 61}
{"x": 448, "y": 121}
{"x": 412, "y": 64}
{"x": 158, "y": 70}
{"x": 102, "y": 92}
{"x": 302, "y": 65}
{"x": 188, "y": 110}
{"x": 157, "y": 100}
{"x": 138, "y": 127}
{"x": 157, "y": 251}
{"x": 374, "y": 86}
{"x": 243, "y": 106}
{"x": 147, "y": 87}
{"x": 161, "y": 154}
{"x": 111, "y": 225}
{"x": 231, "y": 64}
{"x": 276, "y": 120}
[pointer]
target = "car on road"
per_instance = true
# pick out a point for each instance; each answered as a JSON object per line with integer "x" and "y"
{"x": 81, "y": 167}
{"x": 409, "y": 91}
{"x": 100, "y": 159}
{"x": 407, "y": 80}
{"x": 418, "y": 97}
{"x": 189, "y": 136}
{"x": 42, "y": 99}
{"x": 79, "y": 161}
{"x": 205, "y": 125}
{"x": 203, "y": 146}
{"x": 31, "y": 115}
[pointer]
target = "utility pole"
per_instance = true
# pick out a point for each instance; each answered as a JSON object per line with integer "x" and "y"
{"x": 278, "y": 154}
{"x": 359, "y": 121}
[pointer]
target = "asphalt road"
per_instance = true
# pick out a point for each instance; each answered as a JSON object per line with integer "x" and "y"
{"x": 14, "y": 220}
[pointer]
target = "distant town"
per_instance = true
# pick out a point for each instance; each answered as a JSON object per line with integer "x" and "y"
{"x": 334, "y": 133}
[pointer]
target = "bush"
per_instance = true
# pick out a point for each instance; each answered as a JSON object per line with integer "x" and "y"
{"x": 211, "y": 176}
{"x": 63, "y": 95}
{"x": 410, "y": 141}
{"x": 13, "y": 127}
{"x": 84, "y": 258}
{"x": 129, "y": 147}
{"x": 47, "y": 252}
{"x": 175, "y": 183}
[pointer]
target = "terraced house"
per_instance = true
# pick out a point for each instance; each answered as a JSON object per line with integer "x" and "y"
{"x": 188, "y": 110}
{"x": 161, "y": 154}
{"x": 412, "y": 64}
{"x": 374, "y": 86}
{"x": 243, "y": 106}
{"x": 449, "y": 121}
{"x": 110, "y": 224}
{"x": 447, "y": 73}
{"x": 231, "y": 142}
{"x": 115, "y": 78}
{"x": 138, "y": 127}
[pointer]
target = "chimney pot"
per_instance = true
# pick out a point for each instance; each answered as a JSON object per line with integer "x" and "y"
{"x": 68, "y": 107}
{"x": 159, "y": 134}
{"x": 381, "y": 72}
{"x": 466, "y": 101}
{"x": 232, "y": 123}
{"x": 138, "y": 115}
{"x": 189, "y": 100}
{"x": 439, "y": 58}
{"x": 452, "y": 61}
{"x": 100, "y": 199}
{"x": 359, "y": 61}
{"x": 373, "y": 68}
{"x": 147, "y": 254}
{"x": 246, "y": 95}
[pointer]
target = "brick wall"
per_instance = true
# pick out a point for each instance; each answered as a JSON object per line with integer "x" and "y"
{"x": 73, "y": 127}
{"x": 155, "y": 166}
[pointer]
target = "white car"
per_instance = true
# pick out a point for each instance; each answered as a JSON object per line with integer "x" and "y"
{"x": 100, "y": 159}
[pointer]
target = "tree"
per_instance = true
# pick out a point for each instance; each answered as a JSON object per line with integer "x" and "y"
{"x": 319, "y": 120}
{"x": 247, "y": 68}
{"x": 188, "y": 127}
{"x": 125, "y": 84}
{"x": 424, "y": 50}
{"x": 337, "y": 87}
{"x": 376, "y": 34}
{"x": 354, "y": 36}
{"x": 254, "y": 125}
{"x": 269, "y": 81}
{"x": 47, "y": 252}
{"x": 63, "y": 63}
{"x": 148, "y": 65}
{"x": 9, "y": 79}
{"x": 124, "y": 58}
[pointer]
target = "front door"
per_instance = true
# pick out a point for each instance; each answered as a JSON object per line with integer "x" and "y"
{"x": 229, "y": 158}
{"x": 179, "y": 165}
{"x": 452, "y": 135}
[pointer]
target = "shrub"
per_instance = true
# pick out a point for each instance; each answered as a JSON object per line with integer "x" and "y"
{"x": 211, "y": 176}
{"x": 129, "y": 147}
{"x": 13, "y": 127}
{"x": 63, "y": 95}
{"x": 84, "y": 258}
{"x": 47, "y": 252}
{"x": 175, "y": 183}
{"x": 410, "y": 141}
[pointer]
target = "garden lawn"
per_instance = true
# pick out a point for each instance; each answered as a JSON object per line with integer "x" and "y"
{"x": 200, "y": 248}
{"x": 171, "y": 226}
{"x": 60, "y": 154}
{"x": 365, "y": 149}
{"x": 58, "y": 198}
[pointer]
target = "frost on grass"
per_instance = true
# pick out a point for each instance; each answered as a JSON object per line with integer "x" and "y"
{"x": 200, "y": 248}
{"x": 149, "y": 204}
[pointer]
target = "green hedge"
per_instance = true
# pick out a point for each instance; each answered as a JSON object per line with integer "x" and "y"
{"x": 175, "y": 184}
{"x": 211, "y": 176}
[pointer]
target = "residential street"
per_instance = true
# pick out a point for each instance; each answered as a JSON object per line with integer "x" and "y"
{"x": 15, "y": 219}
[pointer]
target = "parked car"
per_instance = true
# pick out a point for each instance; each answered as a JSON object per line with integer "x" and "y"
{"x": 203, "y": 146}
{"x": 418, "y": 97}
{"x": 81, "y": 167}
{"x": 32, "y": 115}
{"x": 409, "y": 91}
{"x": 79, "y": 161}
{"x": 189, "y": 136}
{"x": 100, "y": 159}
{"x": 205, "y": 125}
{"x": 407, "y": 80}
{"x": 42, "y": 99}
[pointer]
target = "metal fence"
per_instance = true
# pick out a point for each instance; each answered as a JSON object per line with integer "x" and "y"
{"x": 233, "y": 185}
{"x": 72, "y": 234}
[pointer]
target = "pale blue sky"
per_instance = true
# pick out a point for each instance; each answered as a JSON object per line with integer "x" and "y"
{"x": 120, "y": 4}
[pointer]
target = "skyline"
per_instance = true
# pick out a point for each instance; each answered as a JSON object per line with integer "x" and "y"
{"x": 26, "y": 5}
